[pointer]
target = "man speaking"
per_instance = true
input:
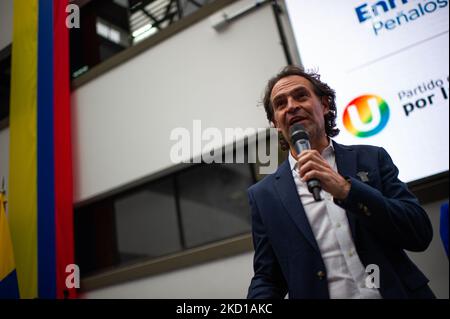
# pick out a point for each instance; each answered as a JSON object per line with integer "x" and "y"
{"x": 333, "y": 221}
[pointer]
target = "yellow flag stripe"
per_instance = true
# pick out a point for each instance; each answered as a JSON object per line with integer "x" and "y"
{"x": 6, "y": 252}
{"x": 23, "y": 153}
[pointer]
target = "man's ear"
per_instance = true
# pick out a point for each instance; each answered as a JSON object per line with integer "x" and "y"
{"x": 326, "y": 106}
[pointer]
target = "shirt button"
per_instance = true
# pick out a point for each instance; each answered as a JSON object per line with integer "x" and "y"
{"x": 338, "y": 225}
{"x": 351, "y": 253}
{"x": 321, "y": 274}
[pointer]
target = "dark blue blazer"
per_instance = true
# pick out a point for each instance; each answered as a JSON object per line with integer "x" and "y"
{"x": 384, "y": 217}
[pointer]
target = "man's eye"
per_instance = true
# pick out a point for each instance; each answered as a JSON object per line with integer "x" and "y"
{"x": 279, "y": 103}
{"x": 298, "y": 95}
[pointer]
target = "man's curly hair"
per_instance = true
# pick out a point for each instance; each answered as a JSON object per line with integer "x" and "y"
{"x": 320, "y": 88}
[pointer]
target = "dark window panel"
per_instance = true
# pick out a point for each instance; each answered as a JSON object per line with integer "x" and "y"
{"x": 95, "y": 237}
{"x": 146, "y": 222}
{"x": 213, "y": 202}
{"x": 5, "y": 82}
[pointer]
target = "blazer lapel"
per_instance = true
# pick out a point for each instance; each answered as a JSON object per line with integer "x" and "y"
{"x": 346, "y": 163}
{"x": 287, "y": 190}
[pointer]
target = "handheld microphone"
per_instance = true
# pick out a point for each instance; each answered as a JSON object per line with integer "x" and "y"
{"x": 300, "y": 140}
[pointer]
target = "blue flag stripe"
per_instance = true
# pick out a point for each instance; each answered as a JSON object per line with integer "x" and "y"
{"x": 45, "y": 155}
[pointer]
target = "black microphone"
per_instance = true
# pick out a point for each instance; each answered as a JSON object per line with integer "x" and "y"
{"x": 300, "y": 140}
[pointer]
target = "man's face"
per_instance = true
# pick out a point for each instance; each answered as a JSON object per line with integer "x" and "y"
{"x": 294, "y": 101}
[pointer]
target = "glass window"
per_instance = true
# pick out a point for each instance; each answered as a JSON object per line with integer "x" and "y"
{"x": 95, "y": 237}
{"x": 139, "y": 224}
{"x": 213, "y": 202}
{"x": 196, "y": 206}
{"x": 5, "y": 83}
{"x": 146, "y": 222}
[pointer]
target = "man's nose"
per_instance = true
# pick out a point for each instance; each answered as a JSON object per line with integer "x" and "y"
{"x": 291, "y": 104}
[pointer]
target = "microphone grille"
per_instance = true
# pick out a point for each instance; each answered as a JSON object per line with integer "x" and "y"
{"x": 298, "y": 132}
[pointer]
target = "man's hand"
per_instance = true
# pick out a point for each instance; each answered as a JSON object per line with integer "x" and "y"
{"x": 312, "y": 165}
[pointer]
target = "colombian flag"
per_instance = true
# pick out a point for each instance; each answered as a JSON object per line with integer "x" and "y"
{"x": 8, "y": 278}
{"x": 40, "y": 186}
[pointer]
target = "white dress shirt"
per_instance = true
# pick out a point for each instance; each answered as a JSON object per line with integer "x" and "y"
{"x": 345, "y": 272}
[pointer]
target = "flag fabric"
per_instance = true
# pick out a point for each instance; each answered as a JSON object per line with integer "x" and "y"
{"x": 8, "y": 278}
{"x": 40, "y": 186}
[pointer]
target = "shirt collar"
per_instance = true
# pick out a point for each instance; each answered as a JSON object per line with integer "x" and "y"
{"x": 328, "y": 151}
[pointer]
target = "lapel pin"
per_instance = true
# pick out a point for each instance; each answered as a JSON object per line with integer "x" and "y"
{"x": 363, "y": 176}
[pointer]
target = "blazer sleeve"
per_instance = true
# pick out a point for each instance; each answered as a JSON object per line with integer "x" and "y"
{"x": 392, "y": 213}
{"x": 268, "y": 281}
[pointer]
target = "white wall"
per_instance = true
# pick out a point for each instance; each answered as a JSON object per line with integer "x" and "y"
{"x": 122, "y": 120}
{"x": 6, "y": 22}
{"x": 222, "y": 279}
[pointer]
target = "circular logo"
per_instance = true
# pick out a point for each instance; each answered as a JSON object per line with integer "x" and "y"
{"x": 366, "y": 115}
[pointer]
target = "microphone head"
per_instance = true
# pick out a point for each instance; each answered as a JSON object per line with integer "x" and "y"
{"x": 298, "y": 132}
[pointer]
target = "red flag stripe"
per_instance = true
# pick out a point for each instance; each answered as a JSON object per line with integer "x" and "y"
{"x": 63, "y": 152}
